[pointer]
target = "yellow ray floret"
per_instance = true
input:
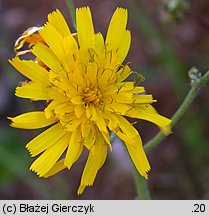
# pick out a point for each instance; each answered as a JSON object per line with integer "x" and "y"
{"x": 58, "y": 21}
{"x": 96, "y": 159}
{"x": 124, "y": 46}
{"x": 116, "y": 29}
{"x": 85, "y": 28}
{"x": 57, "y": 167}
{"x": 53, "y": 39}
{"x": 31, "y": 70}
{"x": 75, "y": 148}
{"x": 46, "y": 139}
{"x": 47, "y": 56}
{"x": 49, "y": 158}
{"x": 33, "y": 91}
{"x": 31, "y": 120}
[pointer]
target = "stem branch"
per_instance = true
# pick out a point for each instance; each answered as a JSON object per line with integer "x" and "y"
{"x": 196, "y": 85}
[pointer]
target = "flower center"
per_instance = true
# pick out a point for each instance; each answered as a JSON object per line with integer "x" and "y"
{"x": 92, "y": 96}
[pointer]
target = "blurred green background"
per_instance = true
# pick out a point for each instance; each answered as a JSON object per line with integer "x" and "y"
{"x": 168, "y": 38}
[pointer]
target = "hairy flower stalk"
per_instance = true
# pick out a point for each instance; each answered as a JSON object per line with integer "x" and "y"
{"x": 82, "y": 79}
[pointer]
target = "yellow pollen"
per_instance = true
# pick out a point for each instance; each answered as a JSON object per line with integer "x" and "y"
{"x": 92, "y": 96}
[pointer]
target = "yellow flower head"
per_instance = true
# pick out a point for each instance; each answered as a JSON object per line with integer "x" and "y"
{"x": 82, "y": 78}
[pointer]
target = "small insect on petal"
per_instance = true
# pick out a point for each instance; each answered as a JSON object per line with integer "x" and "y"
{"x": 28, "y": 38}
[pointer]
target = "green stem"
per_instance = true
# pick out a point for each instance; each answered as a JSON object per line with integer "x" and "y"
{"x": 181, "y": 110}
{"x": 141, "y": 186}
{"x": 196, "y": 82}
{"x": 71, "y": 8}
